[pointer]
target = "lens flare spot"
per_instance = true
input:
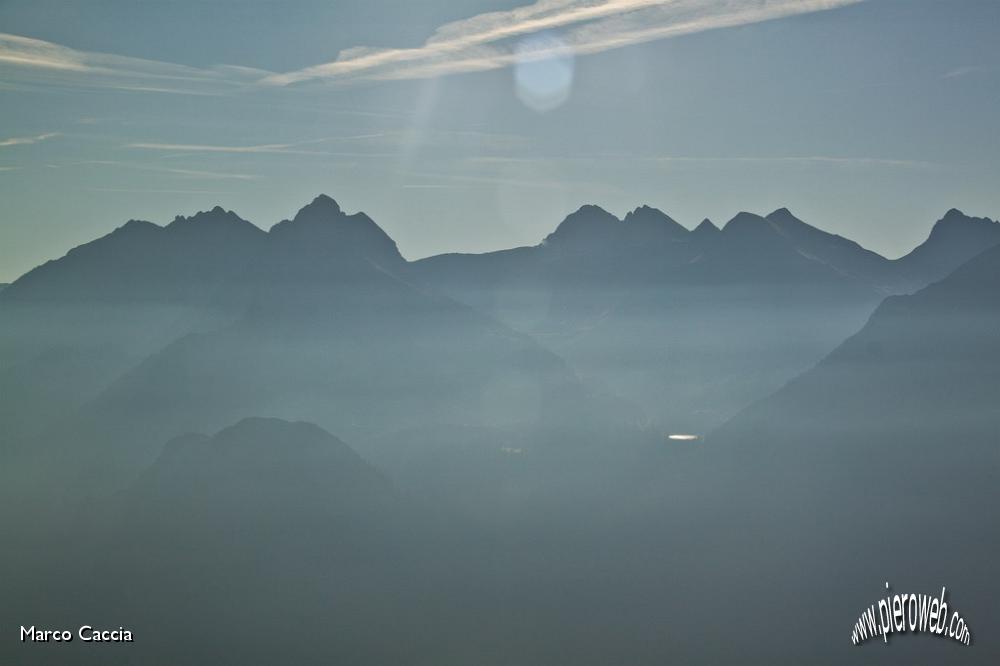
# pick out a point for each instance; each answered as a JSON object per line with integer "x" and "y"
{"x": 543, "y": 75}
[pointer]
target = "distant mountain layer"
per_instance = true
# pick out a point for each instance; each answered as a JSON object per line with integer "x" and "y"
{"x": 876, "y": 464}
{"x": 607, "y": 323}
{"x": 955, "y": 239}
{"x": 520, "y": 400}
{"x": 253, "y": 471}
{"x": 315, "y": 320}
{"x": 692, "y": 326}
{"x": 593, "y": 243}
{"x": 921, "y": 371}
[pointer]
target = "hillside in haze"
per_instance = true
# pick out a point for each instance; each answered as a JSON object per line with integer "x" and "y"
{"x": 75, "y": 324}
{"x": 256, "y": 525}
{"x": 607, "y": 326}
{"x": 878, "y": 463}
{"x": 465, "y": 459}
{"x": 693, "y": 326}
{"x": 315, "y": 320}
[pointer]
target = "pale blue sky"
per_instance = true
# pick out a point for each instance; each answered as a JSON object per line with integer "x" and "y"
{"x": 869, "y": 118}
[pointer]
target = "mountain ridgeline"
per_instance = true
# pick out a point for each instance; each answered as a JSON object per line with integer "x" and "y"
{"x": 233, "y": 435}
{"x": 880, "y": 461}
{"x": 606, "y": 325}
{"x": 692, "y": 326}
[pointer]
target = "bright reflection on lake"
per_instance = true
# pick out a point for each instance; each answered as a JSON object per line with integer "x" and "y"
{"x": 683, "y": 438}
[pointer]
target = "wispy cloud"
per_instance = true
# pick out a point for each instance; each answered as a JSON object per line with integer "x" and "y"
{"x": 185, "y": 173}
{"x": 482, "y": 42}
{"x": 488, "y": 41}
{"x": 809, "y": 159}
{"x": 832, "y": 160}
{"x": 195, "y": 173}
{"x": 395, "y": 139}
{"x": 41, "y": 61}
{"x": 281, "y": 148}
{"x": 25, "y": 140}
{"x": 152, "y": 191}
{"x": 204, "y": 148}
{"x": 965, "y": 71}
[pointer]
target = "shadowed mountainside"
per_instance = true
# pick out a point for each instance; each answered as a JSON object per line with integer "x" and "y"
{"x": 157, "y": 330}
{"x": 877, "y": 465}
{"x": 527, "y": 518}
{"x": 693, "y": 326}
{"x": 330, "y": 331}
{"x": 73, "y": 325}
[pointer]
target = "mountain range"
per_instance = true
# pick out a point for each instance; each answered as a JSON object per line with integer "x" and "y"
{"x": 692, "y": 326}
{"x": 500, "y": 486}
{"x": 606, "y": 326}
{"x": 877, "y": 462}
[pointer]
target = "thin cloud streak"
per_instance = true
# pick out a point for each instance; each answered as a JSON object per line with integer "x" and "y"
{"x": 483, "y": 42}
{"x": 27, "y": 140}
{"x": 748, "y": 159}
{"x": 267, "y": 148}
{"x": 285, "y": 148}
{"x": 150, "y": 191}
{"x": 187, "y": 173}
{"x": 813, "y": 159}
{"x": 965, "y": 71}
{"x": 486, "y": 41}
{"x": 41, "y": 61}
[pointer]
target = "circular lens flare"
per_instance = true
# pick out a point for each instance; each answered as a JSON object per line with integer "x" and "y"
{"x": 543, "y": 75}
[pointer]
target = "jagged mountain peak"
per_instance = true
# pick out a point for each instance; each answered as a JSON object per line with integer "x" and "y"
{"x": 216, "y": 219}
{"x": 322, "y": 205}
{"x": 590, "y": 213}
{"x": 137, "y": 225}
{"x": 653, "y": 219}
{"x": 587, "y": 223}
{"x": 953, "y": 240}
{"x": 784, "y": 220}
{"x": 706, "y": 228}
{"x": 323, "y": 211}
{"x": 322, "y": 227}
{"x": 954, "y": 217}
{"x": 788, "y": 224}
{"x": 744, "y": 222}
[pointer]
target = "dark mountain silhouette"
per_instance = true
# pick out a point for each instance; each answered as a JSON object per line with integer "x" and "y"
{"x": 523, "y": 518}
{"x": 841, "y": 254}
{"x": 645, "y": 222}
{"x": 349, "y": 237}
{"x": 197, "y": 323}
{"x": 587, "y": 227}
{"x": 705, "y": 228}
{"x": 955, "y": 239}
{"x": 275, "y": 528}
{"x": 266, "y": 523}
{"x": 691, "y": 326}
{"x": 593, "y": 229}
{"x": 146, "y": 263}
{"x": 871, "y": 466}
{"x": 261, "y": 471}
{"x": 778, "y": 248}
{"x": 333, "y": 333}
{"x": 74, "y": 324}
